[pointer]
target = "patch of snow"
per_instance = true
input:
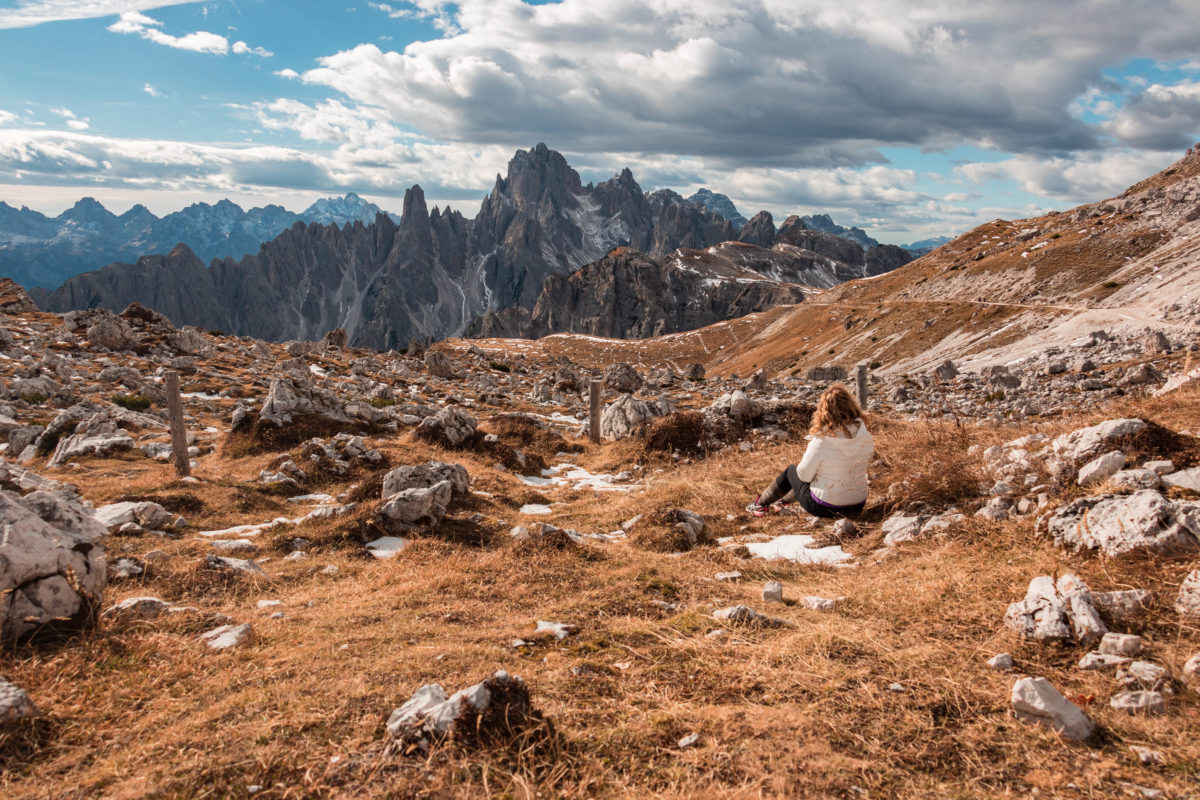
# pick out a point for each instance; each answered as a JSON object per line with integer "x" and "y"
{"x": 535, "y": 508}
{"x": 795, "y": 547}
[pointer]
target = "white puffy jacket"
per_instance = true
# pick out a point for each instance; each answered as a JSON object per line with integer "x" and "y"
{"x": 836, "y": 466}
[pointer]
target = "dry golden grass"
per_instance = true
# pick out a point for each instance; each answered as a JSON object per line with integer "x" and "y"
{"x": 141, "y": 710}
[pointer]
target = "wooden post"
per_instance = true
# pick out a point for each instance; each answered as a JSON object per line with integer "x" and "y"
{"x": 594, "y": 411}
{"x": 860, "y": 380}
{"x": 183, "y": 463}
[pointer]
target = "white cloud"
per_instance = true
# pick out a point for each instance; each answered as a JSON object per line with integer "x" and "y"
{"x": 132, "y": 22}
{"x": 78, "y": 124}
{"x": 7, "y": 117}
{"x": 289, "y": 74}
{"x": 36, "y": 12}
{"x": 150, "y": 90}
{"x": 65, "y": 113}
{"x": 243, "y": 48}
{"x": 1160, "y": 117}
{"x": 1080, "y": 178}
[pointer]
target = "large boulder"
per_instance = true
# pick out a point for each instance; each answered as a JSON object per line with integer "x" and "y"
{"x": 736, "y": 405}
{"x": 622, "y": 377}
{"x": 52, "y": 565}
{"x": 424, "y": 476}
{"x": 1087, "y": 443}
{"x": 15, "y": 704}
{"x": 291, "y": 399}
{"x": 450, "y": 427}
{"x": 624, "y": 416}
{"x": 1121, "y": 524}
{"x": 112, "y": 333}
{"x": 411, "y": 509}
{"x": 438, "y": 365}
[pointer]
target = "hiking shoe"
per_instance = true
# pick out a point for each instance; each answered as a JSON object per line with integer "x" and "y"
{"x": 755, "y": 510}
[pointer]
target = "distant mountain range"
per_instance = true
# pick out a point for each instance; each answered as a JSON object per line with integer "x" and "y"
{"x": 433, "y": 273}
{"x": 36, "y": 250}
{"x": 721, "y": 204}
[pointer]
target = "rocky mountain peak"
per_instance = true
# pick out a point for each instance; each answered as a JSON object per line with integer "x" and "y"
{"x": 720, "y": 204}
{"x": 760, "y": 230}
{"x": 541, "y": 176}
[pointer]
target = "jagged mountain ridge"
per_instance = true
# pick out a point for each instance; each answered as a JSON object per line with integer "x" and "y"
{"x": 427, "y": 276}
{"x": 627, "y": 295}
{"x": 41, "y": 251}
{"x": 721, "y": 204}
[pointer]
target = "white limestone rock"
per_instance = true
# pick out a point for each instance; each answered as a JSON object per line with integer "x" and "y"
{"x": 1184, "y": 479}
{"x": 411, "y": 509}
{"x": 1087, "y": 443}
{"x": 900, "y": 528}
{"x": 227, "y": 636}
{"x": 1188, "y": 600}
{"x": 1123, "y": 607}
{"x": 1121, "y": 644}
{"x": 1036, "y": 701}
{"x": 1101, "y": 468}
{"x": 1121, "y": 524}
{"x": 15, "y": 705}
{"x": 1001, "y": 662}
{"x": 149, "y": 515}
{"x": 1139, "y": 702}
{"x": 52, "y": 565}
{"x": 1041, "y": 615}
{"x": 422, "y": 476}
{"x": 135, "y": 608}
{"x": 291, "y": 397}
{"x": 744, "y": 615}
{"x": 623, "y": 416}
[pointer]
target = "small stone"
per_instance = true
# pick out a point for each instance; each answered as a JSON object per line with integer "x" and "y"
{"x": 330, "y": 569}
{"x": 1143, "y": 675}
{"x": 1138, "y": 702}
{"x": 820, "y": 603}
{"x": 1146, "y": 756}
{"x": 1101, "y": 661}
{"x": 1121, "y": 644}
{"x": 1001, "y": 662}
{"x": 717, "y": 633}
{"x": 226, "y": 636}
{"x": 727, "y": 576}
{"x": 772, "y": 592}
{"x": 1191, "y": 672}
{"x": 1165, "y": 467}
{"x": 897, "y": 688}
{"x": 15, "y": 704}
{"x": 135, "y": 608}
{"x": 689, "y": 741}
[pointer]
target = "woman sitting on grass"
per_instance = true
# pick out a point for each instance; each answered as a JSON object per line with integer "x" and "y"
{"x": 831, "y": 479}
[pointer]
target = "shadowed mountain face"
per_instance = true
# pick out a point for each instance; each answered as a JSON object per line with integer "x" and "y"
{"x": 429, "y": 275}
{"x": 36, "y": 250}
{"x": 627, "y": 295}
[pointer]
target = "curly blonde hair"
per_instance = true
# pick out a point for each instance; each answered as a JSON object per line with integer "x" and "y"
{"x": 836, "y": 410}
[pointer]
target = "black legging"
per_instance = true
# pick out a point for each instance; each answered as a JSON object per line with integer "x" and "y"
{"x": 789, "y": 481}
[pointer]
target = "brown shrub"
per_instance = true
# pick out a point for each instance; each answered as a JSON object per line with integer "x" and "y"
{"x": 679, "y": 432}
{"x": 924, "y": 462}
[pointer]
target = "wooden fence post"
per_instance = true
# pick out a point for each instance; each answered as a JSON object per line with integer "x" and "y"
{"x": 860, "y": 380}
{"x": 183, "y": 463}
{"x": 594, "y": 411}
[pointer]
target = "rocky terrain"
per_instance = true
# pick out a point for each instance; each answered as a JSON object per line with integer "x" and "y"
{"x": 389, "y": 571}
{"x": 41, "y": 251}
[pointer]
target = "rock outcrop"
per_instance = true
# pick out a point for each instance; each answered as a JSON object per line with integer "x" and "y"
{"x": 52, "y": 565}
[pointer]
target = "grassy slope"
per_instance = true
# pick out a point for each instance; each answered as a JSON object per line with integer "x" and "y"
{"x": 141, "y": 710}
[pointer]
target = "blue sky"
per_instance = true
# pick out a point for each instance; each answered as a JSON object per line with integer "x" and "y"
{"x": 909, "y": 118}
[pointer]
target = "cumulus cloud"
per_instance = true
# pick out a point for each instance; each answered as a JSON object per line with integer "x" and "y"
{"x": 1159, "y": 117}
{"x": 36, "y": 12}
{"x": 1081, "y": 178}
{"x": 765, "y": 81}
{"x": 150, "y": 90}
{"x": 148, "y": 28}
{"x": 289, "y": 74}
{"x": 242, "y": 48}
{"x": 134, "y": 22}
{"x": 7, "y": 117}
